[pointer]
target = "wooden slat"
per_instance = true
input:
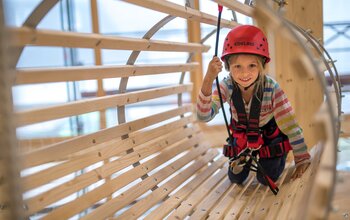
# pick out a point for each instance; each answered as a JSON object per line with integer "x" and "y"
{"x": 305, "y": 184}
{"x": 27, "y": 145}
{"x": 236, "y": 206}
{"x": 182, "y": 12}
{"x": 109, "y": 208}
{"x": 203, "y": 208}
{"x": 256, "y": 211}
{"x": 96, "y": 104}
{"x": 253, "y": 198}
{"x": 101, "y": 152}
{"x": 39, "y": 202}
{"x": 237, "y": 6}
{"x": 196, "y": 196}
{"x": 251, "y": 203}
{"x": 163, "y": 191}
{"x": 61, "y": 150}
{"x": 76, "y": 73}
{"x": 279, "y": 199}
{"x": 90, "y": 198}
{"x": 28, "y": 36}
{"x": 110, "y": 150}
{"x": 219, "y": 211}
{"x": 251, "y": 208}
{"x": 174, "y": 201}
{"x": 262, "y": 205}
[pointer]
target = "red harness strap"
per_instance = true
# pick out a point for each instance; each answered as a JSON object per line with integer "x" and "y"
{"x": 277, "y": 150}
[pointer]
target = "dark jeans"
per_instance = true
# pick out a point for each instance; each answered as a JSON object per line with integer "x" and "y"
{"x": 273, "y": 167}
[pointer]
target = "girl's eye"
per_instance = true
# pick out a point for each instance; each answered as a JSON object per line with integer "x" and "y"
{"x": 236, "y": 66}
{"x": 252, "y": 65}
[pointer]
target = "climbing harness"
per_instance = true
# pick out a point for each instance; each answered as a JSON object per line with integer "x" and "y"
{"x": 246, "y": 132}
{"x": 251, "y": 142}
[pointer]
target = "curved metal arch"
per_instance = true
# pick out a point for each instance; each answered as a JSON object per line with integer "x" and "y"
{"x": 320, "y": 49}
{"x": 39, "y": 13}
{"x": 263, "y": 7}
{"x": 332, "y": 61}
{"x": 336, "y": 82}
{"x": 132, "y": 59}
{"x": 33, "y": 21}
{"x": 182, "y": 77}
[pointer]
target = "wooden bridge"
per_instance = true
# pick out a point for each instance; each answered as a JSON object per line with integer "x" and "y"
{"x": 163, "y": 164}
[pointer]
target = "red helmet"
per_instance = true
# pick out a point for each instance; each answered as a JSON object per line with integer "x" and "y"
{"x": 246, "y": 39}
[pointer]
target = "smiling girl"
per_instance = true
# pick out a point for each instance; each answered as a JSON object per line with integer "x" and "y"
{"x": 262, "y": 118}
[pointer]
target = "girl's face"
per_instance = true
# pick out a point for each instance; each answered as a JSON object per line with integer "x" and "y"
{"x": 244, "y": 69}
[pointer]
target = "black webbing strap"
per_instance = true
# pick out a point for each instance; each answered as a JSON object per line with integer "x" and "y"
{"x": 273, "y": 187}
{"x": 251, "y": 123}
{"x": 252, "y": 128}
{"x": 258, "y": 168}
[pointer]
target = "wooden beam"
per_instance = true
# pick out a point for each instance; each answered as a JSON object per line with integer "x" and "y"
{"x": 182, "y": 12}
{"x": 194, "y": 36}
{"x": 27, "y": 145}
{"x": 95, "y": 104}
{"x": 28, "y": 36}
{"x": 10, "y": 190}
{"x": 307, "y": 99}
{"x": 98, "y": 59}
{"x": 237, "y": 6}
{"x": 77, "y": 73}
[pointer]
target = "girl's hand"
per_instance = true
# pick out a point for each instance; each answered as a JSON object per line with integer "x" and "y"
{"x": 214, "y": 68}
{"x": 300, "y": 170}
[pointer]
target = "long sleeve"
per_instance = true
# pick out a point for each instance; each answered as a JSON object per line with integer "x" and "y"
{"x": 208, "y": 106}
{"x": 286, "y": 121}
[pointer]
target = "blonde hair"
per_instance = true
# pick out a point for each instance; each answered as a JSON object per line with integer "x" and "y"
{"x": 261, "y": 66}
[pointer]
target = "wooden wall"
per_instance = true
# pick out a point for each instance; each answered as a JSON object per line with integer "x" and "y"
{"x": 9, "y": 181}
{"x": 306, "y": 96}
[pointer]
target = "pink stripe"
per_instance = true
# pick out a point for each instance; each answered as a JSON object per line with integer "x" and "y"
{"x": 301, "y": 157}
{"x": 203, "y": 101}
{"x": 223, "y": 89}
{"x": 284, "y": 111}
{"x": 262, "y": 115}
{"x": 284, "y": 101}
{"x": 203, "y": 109}
{"x": 278, "y": 94}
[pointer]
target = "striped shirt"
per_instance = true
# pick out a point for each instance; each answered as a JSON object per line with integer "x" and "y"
{"x": 274, "y": 104}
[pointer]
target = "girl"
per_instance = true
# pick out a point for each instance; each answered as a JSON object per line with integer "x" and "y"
{"x": 262, "y": 119}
